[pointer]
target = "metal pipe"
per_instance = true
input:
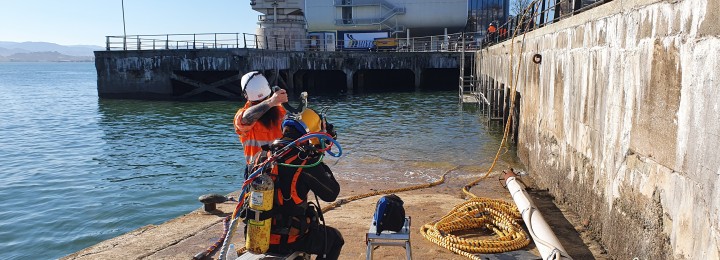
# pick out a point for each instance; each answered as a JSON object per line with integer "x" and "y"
{"x": 124, "y": 31}
{"x": 407, "y": 38}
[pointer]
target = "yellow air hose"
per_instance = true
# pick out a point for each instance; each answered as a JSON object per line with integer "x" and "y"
{"x": 499, "y": 216}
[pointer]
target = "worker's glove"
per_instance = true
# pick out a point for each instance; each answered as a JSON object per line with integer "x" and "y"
{"x": 330, "y": 128}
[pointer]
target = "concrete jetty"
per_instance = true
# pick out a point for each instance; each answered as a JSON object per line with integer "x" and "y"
{"x": 620, "y": 121}
{"x": 215, "y": 73}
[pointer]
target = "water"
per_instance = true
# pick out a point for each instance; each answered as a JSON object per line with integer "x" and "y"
{"x": 77, "y": 170}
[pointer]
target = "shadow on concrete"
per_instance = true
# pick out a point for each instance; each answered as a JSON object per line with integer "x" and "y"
{"x": 566, "y": 233}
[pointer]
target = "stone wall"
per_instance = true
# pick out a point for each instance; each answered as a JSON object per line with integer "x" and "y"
{"x": 621, "y": 119}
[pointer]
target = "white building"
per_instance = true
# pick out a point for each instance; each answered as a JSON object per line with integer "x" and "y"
{"x": 427, "y": 17}
{"x": 324, "y": 21}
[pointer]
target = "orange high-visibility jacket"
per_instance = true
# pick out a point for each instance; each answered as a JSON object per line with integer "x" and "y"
{"x": 491, "y": 29}
{"x": 255, "y": 135}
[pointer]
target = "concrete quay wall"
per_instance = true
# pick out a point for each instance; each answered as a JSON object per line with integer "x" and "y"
{"x": 157, "y": 73}
{"x": 621, "y": 122}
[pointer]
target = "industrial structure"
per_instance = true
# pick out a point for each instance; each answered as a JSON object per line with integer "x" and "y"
{"x": 281, "y": 20}
{"x": 355, "y": 24}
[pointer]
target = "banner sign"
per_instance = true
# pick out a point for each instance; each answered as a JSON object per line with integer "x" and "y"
{"x": 362, "y": 40}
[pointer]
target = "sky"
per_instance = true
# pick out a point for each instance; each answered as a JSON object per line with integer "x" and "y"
{"x": 87, "y": 22}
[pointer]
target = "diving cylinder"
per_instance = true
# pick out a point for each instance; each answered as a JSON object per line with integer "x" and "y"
{"x": 257, "y": 239}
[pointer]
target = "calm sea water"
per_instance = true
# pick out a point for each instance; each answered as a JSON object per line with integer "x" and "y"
{"x": 77, "y": 170}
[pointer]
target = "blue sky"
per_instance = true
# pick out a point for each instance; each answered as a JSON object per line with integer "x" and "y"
{"x": 87, "y": 22}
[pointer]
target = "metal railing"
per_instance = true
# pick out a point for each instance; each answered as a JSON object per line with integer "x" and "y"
{"x": 450, "y": 42}
{"x": 174, "y": 41}
{"x": 540, "y": 13}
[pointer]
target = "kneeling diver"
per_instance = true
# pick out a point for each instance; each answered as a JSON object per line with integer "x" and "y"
{"x": 296, "y": 221}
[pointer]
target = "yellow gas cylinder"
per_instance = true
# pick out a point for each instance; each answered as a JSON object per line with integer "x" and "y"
{"x": 257, "y": 239}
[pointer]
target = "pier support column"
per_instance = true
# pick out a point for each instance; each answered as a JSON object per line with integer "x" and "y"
{"x": 418, "y": 78}
{"x": 291, "y": 80}
{"x": 360, "y": 86}
{"x": 349, "y": 81}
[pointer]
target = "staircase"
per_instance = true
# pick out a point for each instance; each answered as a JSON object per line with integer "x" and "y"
{"x": 389, "y": 11}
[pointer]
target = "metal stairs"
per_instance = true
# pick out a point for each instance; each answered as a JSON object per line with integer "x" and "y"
{"x": 392, "y": 11}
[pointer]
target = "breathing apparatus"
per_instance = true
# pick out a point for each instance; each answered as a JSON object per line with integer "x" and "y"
{"x": 257, "y": 239}
{"x": 243, "y": 203}
{"x": 311, "y": 138}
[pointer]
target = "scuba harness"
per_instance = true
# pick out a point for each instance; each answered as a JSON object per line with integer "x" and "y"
{"x": 269, "y": 203}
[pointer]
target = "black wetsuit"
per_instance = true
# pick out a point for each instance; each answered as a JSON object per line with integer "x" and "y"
{"x": 323, "y": 241}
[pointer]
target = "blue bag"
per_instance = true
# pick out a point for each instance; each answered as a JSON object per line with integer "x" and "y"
{"x": 389, "y": 214}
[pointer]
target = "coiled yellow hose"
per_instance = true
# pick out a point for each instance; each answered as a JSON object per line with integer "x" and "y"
{"x": 497, "y": 216}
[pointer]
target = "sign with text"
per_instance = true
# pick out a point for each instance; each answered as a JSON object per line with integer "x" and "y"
{"x": 362, "y": 40}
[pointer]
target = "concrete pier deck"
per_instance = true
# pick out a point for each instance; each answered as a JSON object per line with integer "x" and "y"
{"x": 185, "y": 236}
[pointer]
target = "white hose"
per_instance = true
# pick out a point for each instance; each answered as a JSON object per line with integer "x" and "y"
{"x": 545, "y": 240}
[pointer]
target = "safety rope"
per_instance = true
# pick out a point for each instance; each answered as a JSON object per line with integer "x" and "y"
{"x": 340, "y": 202}
{"x": 497, "y": 215}
{"x": 213, "y": 247}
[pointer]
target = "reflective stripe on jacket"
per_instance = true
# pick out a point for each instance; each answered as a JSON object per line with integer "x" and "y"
{"x": 255, "y": 135}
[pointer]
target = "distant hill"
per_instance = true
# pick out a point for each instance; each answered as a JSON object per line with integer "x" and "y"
{"x": 45, "y": 51}
{"x": 44, "y": 56}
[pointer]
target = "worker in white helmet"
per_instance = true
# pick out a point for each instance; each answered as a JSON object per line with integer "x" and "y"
{"x": 258, "y": 122}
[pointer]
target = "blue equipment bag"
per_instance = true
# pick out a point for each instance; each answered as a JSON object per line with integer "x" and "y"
{"x": 389, "y": 214}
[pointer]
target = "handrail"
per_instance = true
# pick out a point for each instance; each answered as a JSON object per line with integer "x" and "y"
{"x": 541, "y": 13}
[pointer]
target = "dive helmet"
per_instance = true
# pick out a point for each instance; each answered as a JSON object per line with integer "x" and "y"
{"x": 255, "y": 86}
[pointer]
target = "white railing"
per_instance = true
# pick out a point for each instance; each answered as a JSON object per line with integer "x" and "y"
{"x": 440, "y": 43}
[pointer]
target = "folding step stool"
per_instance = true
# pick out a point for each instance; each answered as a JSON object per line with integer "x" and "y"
{"x": 389, "y": 238}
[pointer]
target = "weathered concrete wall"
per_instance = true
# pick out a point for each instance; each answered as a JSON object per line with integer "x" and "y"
{"x": 621, "y": 121}
{"x": 148, "y": 72}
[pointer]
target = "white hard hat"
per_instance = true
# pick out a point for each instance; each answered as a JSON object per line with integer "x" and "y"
{"x": 255, "y": 86}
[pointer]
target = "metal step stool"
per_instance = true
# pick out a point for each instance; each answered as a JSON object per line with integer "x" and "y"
{"x": 389, "y": 238}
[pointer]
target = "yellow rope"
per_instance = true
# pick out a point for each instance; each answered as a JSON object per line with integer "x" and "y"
{"x": 340, "y": 202}
{"x": 497, "y": 215}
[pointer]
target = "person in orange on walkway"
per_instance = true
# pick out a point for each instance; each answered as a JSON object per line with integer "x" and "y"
{"x": 502, "y": 33}
{"x": 490, "y": 37}
{"x": 258, "y": 122}
{"x": 491, "y": 29}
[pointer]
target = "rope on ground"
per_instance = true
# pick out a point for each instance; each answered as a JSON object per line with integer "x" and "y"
{"x": 340, "y": 202}
{"x": 497, "y": 215}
